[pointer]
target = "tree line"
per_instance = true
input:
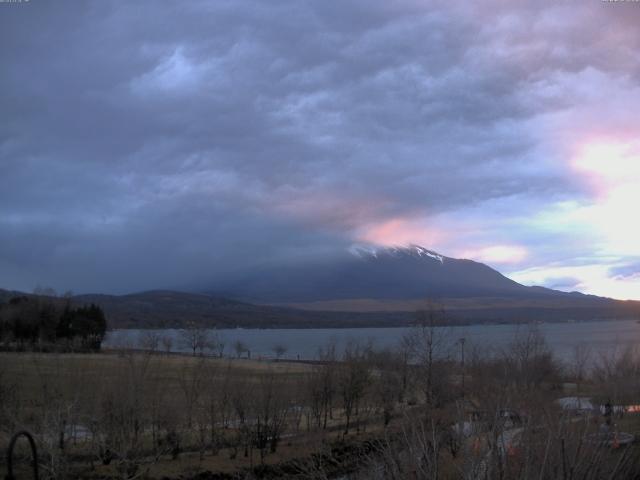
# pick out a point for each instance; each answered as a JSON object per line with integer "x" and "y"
{"x": 46, "y": 323}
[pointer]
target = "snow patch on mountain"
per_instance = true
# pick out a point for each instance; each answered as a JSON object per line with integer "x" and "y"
{"x": 421, "y": 251}
{"x": 372, "y": 251}
{"x": 363, "y": 251}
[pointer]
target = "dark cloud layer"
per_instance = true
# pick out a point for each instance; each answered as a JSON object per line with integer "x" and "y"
{"x": 147, "y": 144}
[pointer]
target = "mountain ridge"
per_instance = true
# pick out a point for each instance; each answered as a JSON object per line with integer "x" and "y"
{"x": 174, "y": 309}
{"x": 371, "y": 287}
{"x": 366, "y": 271}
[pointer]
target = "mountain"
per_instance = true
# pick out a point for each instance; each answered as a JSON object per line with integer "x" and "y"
{"x": 367, "y": 286}
{"x": 396, "y": 273}
{"x": 390, "y": 280}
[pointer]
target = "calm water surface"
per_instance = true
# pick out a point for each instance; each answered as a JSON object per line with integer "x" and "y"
{"x": 600, "y": 336}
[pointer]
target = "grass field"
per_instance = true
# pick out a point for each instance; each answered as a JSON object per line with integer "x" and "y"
{"x": 128, "y": 414}
{"x": 39, "y": 389}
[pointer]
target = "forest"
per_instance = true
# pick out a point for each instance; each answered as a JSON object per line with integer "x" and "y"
{"x": 41, "y": 323}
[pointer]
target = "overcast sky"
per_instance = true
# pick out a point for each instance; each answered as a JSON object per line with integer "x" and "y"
{"x": 161, "y": 144}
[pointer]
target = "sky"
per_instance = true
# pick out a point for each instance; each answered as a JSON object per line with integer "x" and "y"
{"x": 165, "y": 144}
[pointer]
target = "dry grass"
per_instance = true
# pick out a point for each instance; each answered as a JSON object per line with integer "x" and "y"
{"x": 28, "y": 371}
{"x": 35, "y": 377}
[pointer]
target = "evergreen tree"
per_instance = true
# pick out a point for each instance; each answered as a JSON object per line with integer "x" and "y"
{"x": 38, "y": 320}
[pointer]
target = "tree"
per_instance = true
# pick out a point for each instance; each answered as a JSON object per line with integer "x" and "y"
{"x": 580, "y": 362}
{"x": 353, "y": 379}
{"x": 216, "y": 345}
{"x": 149, "y": 340}
{"x": 271, "y": 405}
{"x": 213, "y": 405}
{"x": 46, "y": 322}
{"x": 530, "y": 359}
{"x": 192, "y": 380}
{"x": 194, "y": 338}
{"x": 387, "y": 384}
{"x": 279, "y": 350}
{"x": 122, "y": 416}
{"x": 42, "y": 291}
{"x": 240, "y": 347}
{"x": 321, "y": 387}
{"x": 167, "y": 343}
{"x": 430, "y": 344}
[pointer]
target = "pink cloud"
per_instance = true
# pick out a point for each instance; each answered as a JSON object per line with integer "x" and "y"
{"x": 400, "y": 231}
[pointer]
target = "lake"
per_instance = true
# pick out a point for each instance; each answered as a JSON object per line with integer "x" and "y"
{"x": 303, "y": 344}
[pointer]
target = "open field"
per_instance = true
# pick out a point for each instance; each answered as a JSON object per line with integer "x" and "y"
{"x": 169, "y": 396}
{"x": 29, "y": 367}
{"x": 144, "y": 414}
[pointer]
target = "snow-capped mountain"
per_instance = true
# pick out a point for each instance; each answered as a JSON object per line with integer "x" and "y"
{"x": 364, "y": 251}
{"x": 363, "y": 286}
{"x": 372, "y": 272}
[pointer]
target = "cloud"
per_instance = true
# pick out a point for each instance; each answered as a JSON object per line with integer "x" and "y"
{"x": 630, "y": 271}
{"x": 498, "y": 254}
{"x": 162, "y": 146}
{"x": 563, "y": 283}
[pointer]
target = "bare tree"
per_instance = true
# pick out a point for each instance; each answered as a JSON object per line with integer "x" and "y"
{"x": 215, "y": 344}
{"x": 279, "y": 350}
{"x": 167, "y": 343}
{"x": 149, "y": 340}
{"x": 353, "y": 379}
{"x": 122, "y": 416}
{"x": 272, "y": 404}
{"x": 194, "y": 338}
{"x": 430, "y": 345}
{"x": 191, "y": 380}
{"x": 314, "y": 397}
{"x": 322, "y": 386}
{"x": 213, "y": 405}
{"x": 617, "y": 372}
{"x": 387, "y": 381}
{"x": 580, "y": 363}
{"x": 242, "y": 404}
{"x": 57, "y": 410}
{"x": 240, "y": 347}
{"x": 530, "y": 359}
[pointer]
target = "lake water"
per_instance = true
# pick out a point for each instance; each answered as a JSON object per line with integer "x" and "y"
{"x": 600, "y": 336}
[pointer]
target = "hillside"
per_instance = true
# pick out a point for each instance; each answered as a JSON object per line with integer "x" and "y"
{"x": 365, "y": 272}
{"x": 367, "y": 287}
{"x": 172, "y": 309}
{"x": 168, "y": 309}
